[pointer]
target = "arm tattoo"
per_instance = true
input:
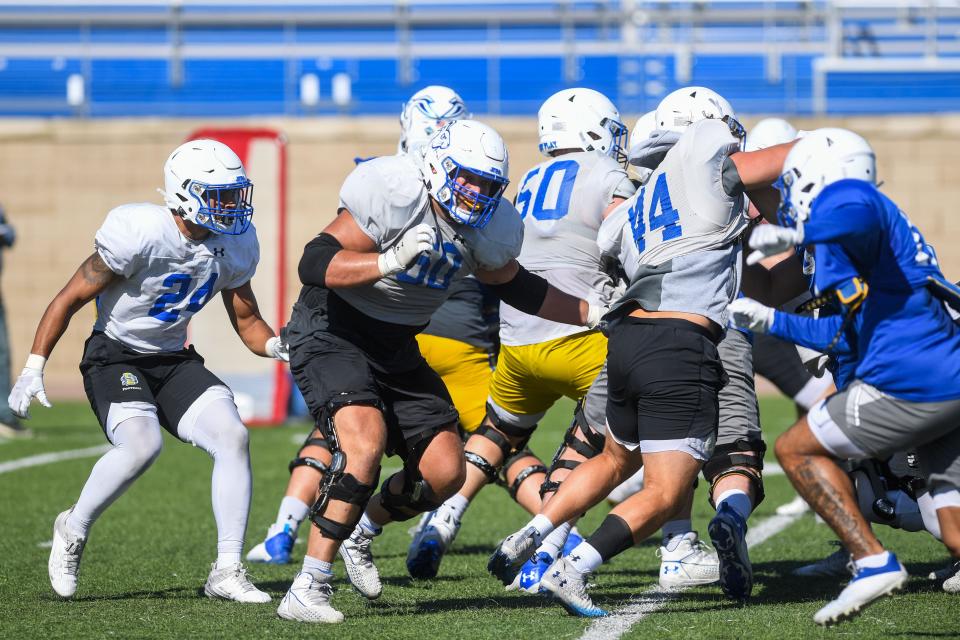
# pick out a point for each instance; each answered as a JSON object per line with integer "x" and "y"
{"x": 96, "y": 272}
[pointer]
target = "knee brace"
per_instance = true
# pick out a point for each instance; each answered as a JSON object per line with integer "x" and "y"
{"x": 415, "y": 497}
{"x": 884, "y": 497}
{"x": 489, "y": 470}
{"x": 346, "y": 488}
{"x": 524, "y": 473}
{"x": 307, "y": 461}
{"x": 589, "y": 447}
{"x": 742, "y": 457}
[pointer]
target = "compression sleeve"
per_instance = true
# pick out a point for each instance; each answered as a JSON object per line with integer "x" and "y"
{"x": 526, "y": 292}
{"x": 316, "y": 258}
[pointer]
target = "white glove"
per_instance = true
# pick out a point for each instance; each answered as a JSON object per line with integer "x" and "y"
{"x": 594, "y": 313}
{"x": 29, "y": 386}
{"x": 277, "y": 349}
{"x": 415, "y": 241}
{"x": 770, "y": 239}
{"x": 815, "y": 362}
{"x": 750, "y": 314}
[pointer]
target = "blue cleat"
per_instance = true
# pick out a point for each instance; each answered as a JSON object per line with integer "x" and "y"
{"x": 431, "y": 541}
{"x": 533, "y": 570}
{"x": 868, "y": 585}
{"x": 728, "y": 532}
{"x": 573, "y": 539}
{"x": 569, "y": 586}
{"x": 277, "y": 548}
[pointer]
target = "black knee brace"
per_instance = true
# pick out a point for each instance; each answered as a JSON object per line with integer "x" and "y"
{"x": 735, "y": 459}
{"x": 345, "y": 488}
{"x": 526, "y": 472}
{"x": 497, "y": 438}
{"x": 588, "y": 448}
{"x": 415, "y": 497}
{"x": 307, "y": 461}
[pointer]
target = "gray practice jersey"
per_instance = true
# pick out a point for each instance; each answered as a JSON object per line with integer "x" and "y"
{"x": 386, "y": 196}
{"x": 678, "y": 238}
{"x": 562, "y": 202}
{"x": 468, "y": 315}
{"x": 166, "y": 277}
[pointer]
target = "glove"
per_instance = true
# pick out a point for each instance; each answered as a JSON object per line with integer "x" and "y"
{"x": 277, "y": 349}
{"x": 594, "y": 313}
{"x": 412, "y": 243}
{"x": 746, "y": 313}
{"x": 814, "y": 361}
{"x": 770, "y": 239}
{"x": 29, "y": 386}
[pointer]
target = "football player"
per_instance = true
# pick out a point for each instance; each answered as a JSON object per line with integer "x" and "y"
{"x": 404, "y": 234}
{"x": 562, "y": 202}
{"x": 678, "y": 241}
{"x": 457, "y": 344}
{"x": 154, "y": 267}
{"x": 906, "y": 389}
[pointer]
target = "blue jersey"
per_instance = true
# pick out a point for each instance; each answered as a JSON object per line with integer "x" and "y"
{"x": 908, "y": 345}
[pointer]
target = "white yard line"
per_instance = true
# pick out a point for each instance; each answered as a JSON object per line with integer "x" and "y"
{"x": 621, "y": 620}
{"x": 56, "y": 456}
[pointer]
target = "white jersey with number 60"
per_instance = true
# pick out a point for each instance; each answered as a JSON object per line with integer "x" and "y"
{"x": 166, "y": 277}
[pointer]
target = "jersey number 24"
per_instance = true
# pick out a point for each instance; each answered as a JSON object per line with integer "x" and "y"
{"x": 181, "y": 282}
{"x": 668, "y": 219}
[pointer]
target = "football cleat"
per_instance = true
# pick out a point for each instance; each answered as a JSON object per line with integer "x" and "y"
{"x": 949, "y": 577}
{"x": 728, "y": 532}
{"x": 358, "y": 560}
{"x": 277, "y": 546}
{"x": 308, "y": 600}
{"x": 414, "y": 531}
{"x": 232, "y": 583}
{"x": 511, "y": 553}
{"x": 573, "y": 539}
{"x": 65, "y": 553}
{"x": 569, "y": 586}
{"x": 427, "y": 548}
{"x": 868, "y": 584}
{"x": 795, "y": 507}
{"x": 837, "y": 564}
{"x": 686, "y": 561}
{"x": 533, "y": 571}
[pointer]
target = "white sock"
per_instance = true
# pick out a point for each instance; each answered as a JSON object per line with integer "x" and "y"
{"x": 738, "y": 501}
{"x": 456, "y": 506}
{"x": 676, "y": 528}
{"x": 369, "y": 527}
{"x": 292, "y": 512}
{"x": 874, "y": 561}
{"x": 316, "y": 567}
{"x": 227, "y": 558}
{"x": 542, "y": 524}
{"x": 554, "y": 542}
{"x": 584, "y": 558}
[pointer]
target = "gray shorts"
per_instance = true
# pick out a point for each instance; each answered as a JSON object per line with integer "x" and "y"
{"x": 739, "y": 413}
{"x": 864, "y": 422}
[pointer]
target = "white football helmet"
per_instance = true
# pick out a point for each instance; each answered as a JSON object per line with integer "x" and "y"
{"x": 822, "y": 157}
{"x": 685, "y": 106}
{"x": 425, "y": 112}
{"x": 581, "y": 119}
{"x": 205, "y": 183}
{"x": 769, "y": 132}
{"x": 640, "y": 133}
{"x": 466, "y": 152}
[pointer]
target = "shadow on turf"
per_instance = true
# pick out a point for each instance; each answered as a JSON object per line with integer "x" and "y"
{"x": 163, "y": 594}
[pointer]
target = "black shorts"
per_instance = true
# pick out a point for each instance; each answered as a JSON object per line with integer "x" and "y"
{"x": 114, "y": 373}
{"x": 664, "y": 377}
{"x": 779, "y": 362}
{"x": 350, "y": 360}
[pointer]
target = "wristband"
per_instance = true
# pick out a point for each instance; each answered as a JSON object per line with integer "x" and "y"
{"x": 35, "y": 362}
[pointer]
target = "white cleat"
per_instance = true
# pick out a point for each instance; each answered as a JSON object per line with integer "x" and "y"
{"x": 308, "y": 600}
{"x": 358, "y": 560}
{"x": 795, "y": 507}
{"x": 569, "y": 586}
{"x": 949, "y": 577}
{"x": 867, "y": 585}
{"x": 687, "y": 561}
{"x": 65, "y": 553}
{"x": 431, "y": 542}
{"x": 232, "y": 583}
{"x": 511, "y": 553}
{"x": 837, "y": 564}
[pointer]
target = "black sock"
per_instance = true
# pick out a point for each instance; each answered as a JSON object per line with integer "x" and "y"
{"x": 612, "y": 537}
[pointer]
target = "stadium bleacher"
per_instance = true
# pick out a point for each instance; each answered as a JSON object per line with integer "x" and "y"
{"x": 160, "y": 57}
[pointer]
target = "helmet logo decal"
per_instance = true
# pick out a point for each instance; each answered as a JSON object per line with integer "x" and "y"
{"x": 442, "y": 141}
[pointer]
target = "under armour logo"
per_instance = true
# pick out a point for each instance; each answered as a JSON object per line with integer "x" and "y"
{"x": 219, "y": 252}
{"x": 531, "y": 576}
{"x": 575, "y": 558}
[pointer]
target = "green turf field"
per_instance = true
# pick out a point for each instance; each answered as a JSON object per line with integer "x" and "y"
{"x": 148, "y": 556}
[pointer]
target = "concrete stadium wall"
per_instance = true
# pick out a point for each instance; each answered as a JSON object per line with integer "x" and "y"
{"x": 59, "y": 178}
